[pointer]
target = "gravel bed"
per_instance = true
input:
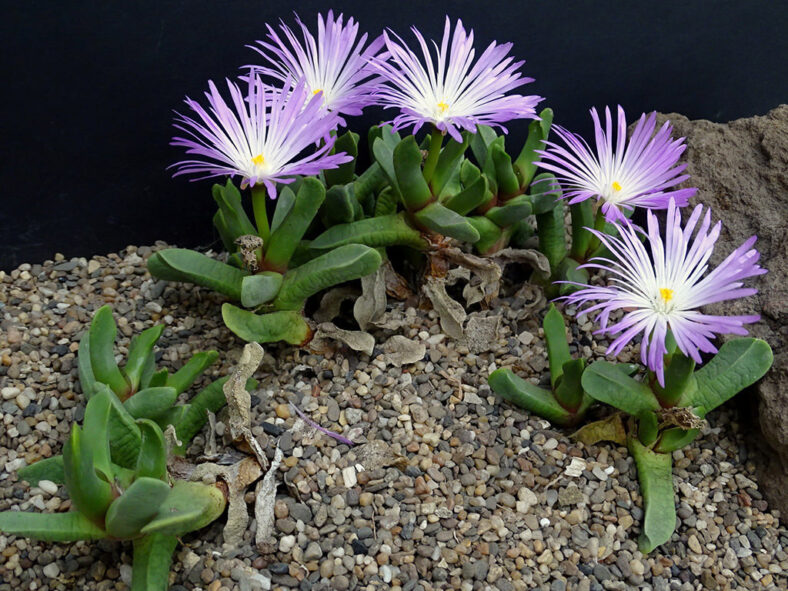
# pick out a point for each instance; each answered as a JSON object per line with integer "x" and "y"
{"x": 448, "y": 488}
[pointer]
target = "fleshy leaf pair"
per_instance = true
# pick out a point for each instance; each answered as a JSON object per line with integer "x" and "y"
{"x": 271, "y": 270}
{"x": 667, "y": 418}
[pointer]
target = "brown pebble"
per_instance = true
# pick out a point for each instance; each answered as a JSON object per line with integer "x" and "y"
{"x": 421, "y": 487}
{"x": 283, "y": 411}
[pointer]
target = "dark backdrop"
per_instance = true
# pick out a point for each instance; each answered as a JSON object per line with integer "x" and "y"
{"x": 89, "y": 89}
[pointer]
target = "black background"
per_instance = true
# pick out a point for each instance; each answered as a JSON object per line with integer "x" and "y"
{"x": 89, "y": 89}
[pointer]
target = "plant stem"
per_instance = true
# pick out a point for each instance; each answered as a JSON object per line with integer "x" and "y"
{"x": 259, "y": 198}
{"x": 436, "y": 140}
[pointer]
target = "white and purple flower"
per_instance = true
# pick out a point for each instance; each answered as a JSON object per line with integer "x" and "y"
{"x": 638, "y": 173}
{"x": 455, "y": 92}
{"x": 260, "y": 137}
{"x": 334, "y": 63}
{"x": 662, "y": 288}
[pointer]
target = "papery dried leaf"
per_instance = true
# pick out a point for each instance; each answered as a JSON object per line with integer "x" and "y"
{"x": 372, "y": 303}
{"x": 481, "y": 333}
{"x": 239, "y": 400}
{"x": 238, "y": 478}
{"x": 393, "y": 321}
{"x": 399, "y": 351}
{"x": 331, "y": 303}
{"x": 608, "y": 429}
{"x": 265, "y": 499}
{"x": 532, "y": 257}
{"x": 452, "y": 314}
{"x": 485, "y": 284}
{"x": 396, "y": 286}
{"x": 171, "y": 439}
{"x": 375, "y": 454}
{"x": 355, "y": 339}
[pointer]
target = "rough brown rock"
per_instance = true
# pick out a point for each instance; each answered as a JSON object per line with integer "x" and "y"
{"x": 741, "y": 171}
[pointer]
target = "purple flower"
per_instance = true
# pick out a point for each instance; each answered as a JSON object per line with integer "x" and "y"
{"x": 635, "y": 174}
{"x": 333, "y": 64}
{"x": 261, "y": 138}
{"x": 662, "y": 290}
{"x": 452, "y": 93}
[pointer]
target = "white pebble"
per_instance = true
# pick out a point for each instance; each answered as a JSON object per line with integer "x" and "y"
{"x": 51, "y": 570}
{"x": 349, "y": 476}
{"x": 47, "y": 486}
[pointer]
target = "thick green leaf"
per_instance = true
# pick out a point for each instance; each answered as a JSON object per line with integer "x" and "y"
{"x": 189, "y": 506}
{"x": 226, "y": 236}
{"x": 336, "y": 266}
{"x": 557, "y": 346}
{"x": 340, "y": 206}
{"x": 508, "y": 184}
{"x": 210, "y": 398}
{"x": 607, "y": 383}
{"x": 568, "y": 271}
{"x": 159, "y": 378}
{"x": 189, "y": 266}
{"x": 675, "y": 438}
{"x": 740, "y": 363}
{"x": 195, "y": 415}
{"x": 47, "y": 469}
{"x": 528, "y": 396}
{"x": 473, "y": 196}
{"x": 569, "y": 392}
{"x": 439, "y": 218}
{"x": 407, "y": 167}
{"x": 232, "y": 213}
{"x": 648, "y": 428}
{"x": 372, "y": 180}
{"x": 148, "y": 369}
{"x": 448, "y": 162}
{"x": 582, "y": 218}
{"x": 545, "y": 193}
{"x": 89, "y": 494}
{"x": 130, "y": 512}
{"x": 87, "y": 381}
{"x": 488, "y": 165}
{"x": 469, "y": 173}
{"x": 124, "y": 435}
{"x": 191, "y": 370}
{"x": 260, "y": 289}
{"x": 608, "y": 429}
{"x": 285, "y": 202}
{"x": 388, "y": 230}
{"x": 538, "y": 131}
{"x": 347, "y": 143}
{"x": 522, "y": 232}
{"x": 50, "y": 527}
{"x": 292, "y": 228}
{"x": 387, "y": 202}
{"x": 96, "y": 431}
{"x": 511, "y": 211}
{"x": 656, "y": 486}
{"x": 151, "y": 403}
{"x": 679, "y": 380}
{"x": 152, "y": 460}
{"x": 552, "y": 235}
{"x": 151, "y": 564}
{"x": 491, "y": 236}
{"x": 384, "y": 156}
{"x": 140, "y": 353}
{"x": 102, "y": 355}
{"x": 480, "y": 141}
{"x": 287, "y": 325}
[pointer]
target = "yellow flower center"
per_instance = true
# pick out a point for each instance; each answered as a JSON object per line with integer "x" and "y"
{"x": 314, "y": 92}
{"x": 442, "y": 107}
{"x": 258, "y": 160}
{"x": 666, "y": 294}
{"x": 616, "y": 186}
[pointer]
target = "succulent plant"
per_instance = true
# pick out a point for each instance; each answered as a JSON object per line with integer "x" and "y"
{"x": 114, "y": 467}
{"x": 269, "y": 273}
